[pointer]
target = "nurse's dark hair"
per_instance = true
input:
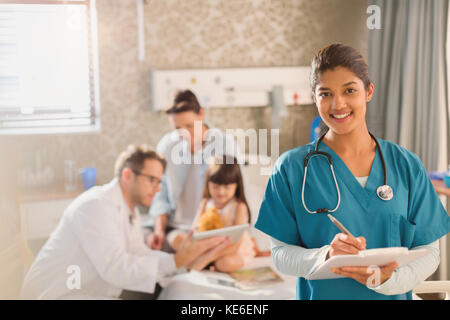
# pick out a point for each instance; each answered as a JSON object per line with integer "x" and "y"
{"x": 339, "y": 55}
{"x": 225, "y": 170}
{"x": 184, "y": 101}
{"x": 134, "y": 156}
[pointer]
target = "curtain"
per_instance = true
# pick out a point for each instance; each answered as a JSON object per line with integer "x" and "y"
{"x": 407, "y": 64}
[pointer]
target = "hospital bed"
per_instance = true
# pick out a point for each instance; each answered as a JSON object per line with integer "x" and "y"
{"x": 197, "y": 285}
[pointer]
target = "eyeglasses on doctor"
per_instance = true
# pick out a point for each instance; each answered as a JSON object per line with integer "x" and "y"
{"x": 154, "y": 181}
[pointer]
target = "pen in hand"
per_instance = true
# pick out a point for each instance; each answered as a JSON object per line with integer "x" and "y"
{"x": 339, "y": 225}
{"x": 341, "y": 245}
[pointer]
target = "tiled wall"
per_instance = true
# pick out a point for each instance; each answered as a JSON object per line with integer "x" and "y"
{"x": 189, "y": 34}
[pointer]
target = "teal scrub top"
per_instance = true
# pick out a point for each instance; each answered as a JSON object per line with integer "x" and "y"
{"x": 414, "y": 217}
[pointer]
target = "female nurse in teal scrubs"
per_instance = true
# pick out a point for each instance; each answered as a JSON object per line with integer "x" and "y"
{"x": 413, "y": 218}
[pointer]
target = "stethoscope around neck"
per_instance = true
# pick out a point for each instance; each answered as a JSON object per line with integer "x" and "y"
{"x": 384, "y": 192}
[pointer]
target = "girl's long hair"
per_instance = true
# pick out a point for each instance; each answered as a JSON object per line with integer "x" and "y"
{"x": 225, "y": 170}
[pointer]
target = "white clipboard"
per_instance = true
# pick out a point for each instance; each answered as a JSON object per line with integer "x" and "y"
{"x": 371, "y": 257}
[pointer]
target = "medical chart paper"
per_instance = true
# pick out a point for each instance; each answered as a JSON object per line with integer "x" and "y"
{"x": 371, "y": 257}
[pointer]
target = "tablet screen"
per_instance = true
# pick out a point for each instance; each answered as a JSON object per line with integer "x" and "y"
{"x": 234, "y": 232}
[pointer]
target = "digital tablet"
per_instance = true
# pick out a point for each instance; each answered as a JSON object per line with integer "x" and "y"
{"x": 234, "y": 232}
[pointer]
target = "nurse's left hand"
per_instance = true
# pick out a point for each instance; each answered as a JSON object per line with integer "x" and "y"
{"x": 368, "y": 276}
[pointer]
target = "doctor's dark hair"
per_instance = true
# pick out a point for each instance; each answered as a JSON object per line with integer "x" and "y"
{"x": 184, "y": 101}
{"x": 339, "y": 55}
{"x": 225, "y": 170}
{"x": 134, "y": 157}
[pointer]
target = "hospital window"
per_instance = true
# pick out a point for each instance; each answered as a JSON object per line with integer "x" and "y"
{"x": 48, "y": 67}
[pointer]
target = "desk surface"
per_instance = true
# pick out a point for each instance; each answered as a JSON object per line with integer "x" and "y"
{"x": 440, "y": 187}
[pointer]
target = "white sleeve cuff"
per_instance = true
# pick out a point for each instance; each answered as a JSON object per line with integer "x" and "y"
{"x": 320, "y": 256}
{"x": 167, "y": 266}
{"x": 407, "y": 277}
{"x": 388, "y": 285}
{"x": 168, "y": 269}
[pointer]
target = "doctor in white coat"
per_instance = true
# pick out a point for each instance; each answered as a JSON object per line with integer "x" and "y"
{"x": 98, "y": 249}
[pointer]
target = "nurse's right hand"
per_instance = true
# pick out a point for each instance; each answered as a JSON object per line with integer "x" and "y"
{"x": 345, "y": 244}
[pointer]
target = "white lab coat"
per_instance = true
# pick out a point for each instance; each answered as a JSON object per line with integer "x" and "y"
{"x": 96, "y": 238}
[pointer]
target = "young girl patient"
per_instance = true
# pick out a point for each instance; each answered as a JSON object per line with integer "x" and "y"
{"x": 223, "y": 205}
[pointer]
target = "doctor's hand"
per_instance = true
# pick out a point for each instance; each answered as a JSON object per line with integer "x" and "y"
{"x": 195, "y": 250}
{"x": 156, "y": 239}
{"x": 372, "y": 276}
{"x": 345, "y": 244}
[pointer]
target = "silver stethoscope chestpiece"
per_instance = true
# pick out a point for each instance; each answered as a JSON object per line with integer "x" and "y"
{"x": 385, "y": 192}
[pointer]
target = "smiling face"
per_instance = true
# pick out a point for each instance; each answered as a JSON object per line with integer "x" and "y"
{"x": 341, "y": 99}
{"x": 222, "y": 193}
